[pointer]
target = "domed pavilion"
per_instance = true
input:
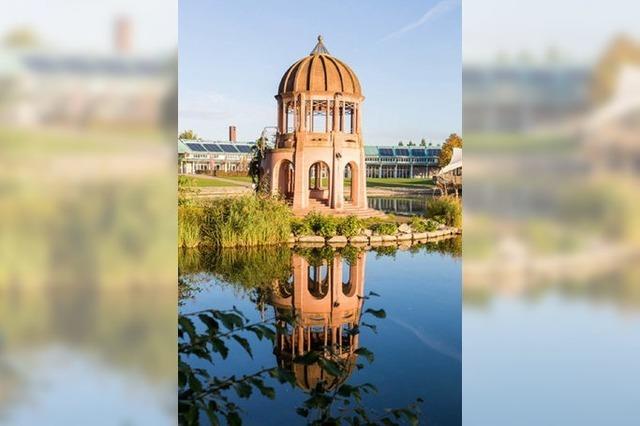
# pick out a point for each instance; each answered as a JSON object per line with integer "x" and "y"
{"x": 317, "y": 162}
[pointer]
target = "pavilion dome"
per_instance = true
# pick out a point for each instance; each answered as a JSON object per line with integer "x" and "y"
{"x": 320, "y": 72}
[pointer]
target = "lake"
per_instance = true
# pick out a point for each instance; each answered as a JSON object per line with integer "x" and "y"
{"x": 404, "y": 205}
{"x": 417, "y": 346}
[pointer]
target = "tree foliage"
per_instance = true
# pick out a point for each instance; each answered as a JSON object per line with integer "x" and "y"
{"x": 622, "y": 51}
{"x": 255, "y": 165}
{"x": 189, "y": 135}
{"x": 453, "y": 141}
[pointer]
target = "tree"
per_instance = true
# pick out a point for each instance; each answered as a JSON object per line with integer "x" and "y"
{"x": 255, "y": 165}
{"x": 410, "y": 143}
{"x": 453, "y": 141}
{"x": 22, "y": 38}
{"x": 400, "y": 143}
{"x": 621, "y": 52}
{"x": 423, "y": 142}
{"x": 189, "y": 135}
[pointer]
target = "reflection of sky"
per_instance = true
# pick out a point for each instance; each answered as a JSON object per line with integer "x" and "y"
{"x": 553, "y": 361}
{"x": 417, "y": 347}
{"x": 65, "y": 387}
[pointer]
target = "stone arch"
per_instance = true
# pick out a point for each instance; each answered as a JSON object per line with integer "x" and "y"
{"x": 348, "y": 272}
{"x": 285, "y": 179}
{"x": 352, "y": 182}
{"x": 318, "y": 280}
{"x": 320, "y": 182}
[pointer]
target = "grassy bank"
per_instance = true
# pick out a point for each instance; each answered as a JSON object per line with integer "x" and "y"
{"x": 252, "y": 220}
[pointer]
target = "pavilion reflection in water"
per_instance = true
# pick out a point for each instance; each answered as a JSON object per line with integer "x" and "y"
{"x": 325, "y": 297}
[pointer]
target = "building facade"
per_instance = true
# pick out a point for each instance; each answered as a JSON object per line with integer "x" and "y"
{"x": 401, "y": 162}
{"x": 516, "y": 98}
{"x": 214, "y": 157}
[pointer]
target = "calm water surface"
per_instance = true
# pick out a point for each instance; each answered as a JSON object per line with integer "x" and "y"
{"x": 399, "y": 205}
{"x": 417, "y": 346}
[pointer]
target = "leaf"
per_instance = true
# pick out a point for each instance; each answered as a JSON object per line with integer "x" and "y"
{"x": 220, "y": 347}
{"x": 302, "y": 412}
{"x": 243, "y": 390}
{"x": 368, "y": 388}
{"x": 407, "y": 414}
{"x": 233, "y": 419}
{"x": 211, "y": 413}
{"x": 330, "y": 367}
{"x": 318, "y": 401}
{"x": 257, "y": 331}
{"x": 192, "y": 415}
{"x": 212, "y": 324}
{"x": 244, "y": 343}
{"x": 366, "y": 353}
{"x": 194, "y": 384}
{"x": 227, "y": 321}
{"x": 373, "y": 327}
{"x": 265, "y": 390}
{"x": 346, "y": 390}
{"x": 187, "y": 325}
{"x": 283, "y": 376}
{"x": 307, "y": 359}
{"x": 268, "y": 332}
{"x": 378, "y": 313}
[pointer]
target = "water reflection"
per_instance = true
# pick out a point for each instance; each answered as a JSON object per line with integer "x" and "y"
{"x": 399, "y": 205}
{"x": 316, "y": 297}
{"x": 327, "y": 304}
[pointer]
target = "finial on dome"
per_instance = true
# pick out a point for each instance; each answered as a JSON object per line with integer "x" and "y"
{"x": 320, "y": 49}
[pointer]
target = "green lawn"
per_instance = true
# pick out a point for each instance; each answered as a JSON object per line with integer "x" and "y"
{"x": 213, "y": 182}
{"x": 245, "y": 179}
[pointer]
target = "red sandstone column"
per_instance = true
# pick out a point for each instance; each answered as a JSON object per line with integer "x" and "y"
{"x": 362, "y": 181}
{"x": 301, "y": 184}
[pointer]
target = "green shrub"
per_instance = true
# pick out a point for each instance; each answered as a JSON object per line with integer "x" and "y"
{"x": 447, "y": 210}
{"x": 301, "y": 227}
{"x": 349, "y": 226}
{"x": 384, "y": 228}
{"x": 328, "y": 228}
{"x": 418, "y": 224}
{"x": 431, "y": 225}
{"x": 325, "y": 226}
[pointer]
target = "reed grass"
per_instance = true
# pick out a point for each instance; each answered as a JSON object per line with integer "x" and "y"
{"x": 245, "y": 221}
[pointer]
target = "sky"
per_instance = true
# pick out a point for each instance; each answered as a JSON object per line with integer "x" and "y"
{"x": 407, "y": 55}
{"x": 87, "y": 26}
{"x": 578, "y": 29}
